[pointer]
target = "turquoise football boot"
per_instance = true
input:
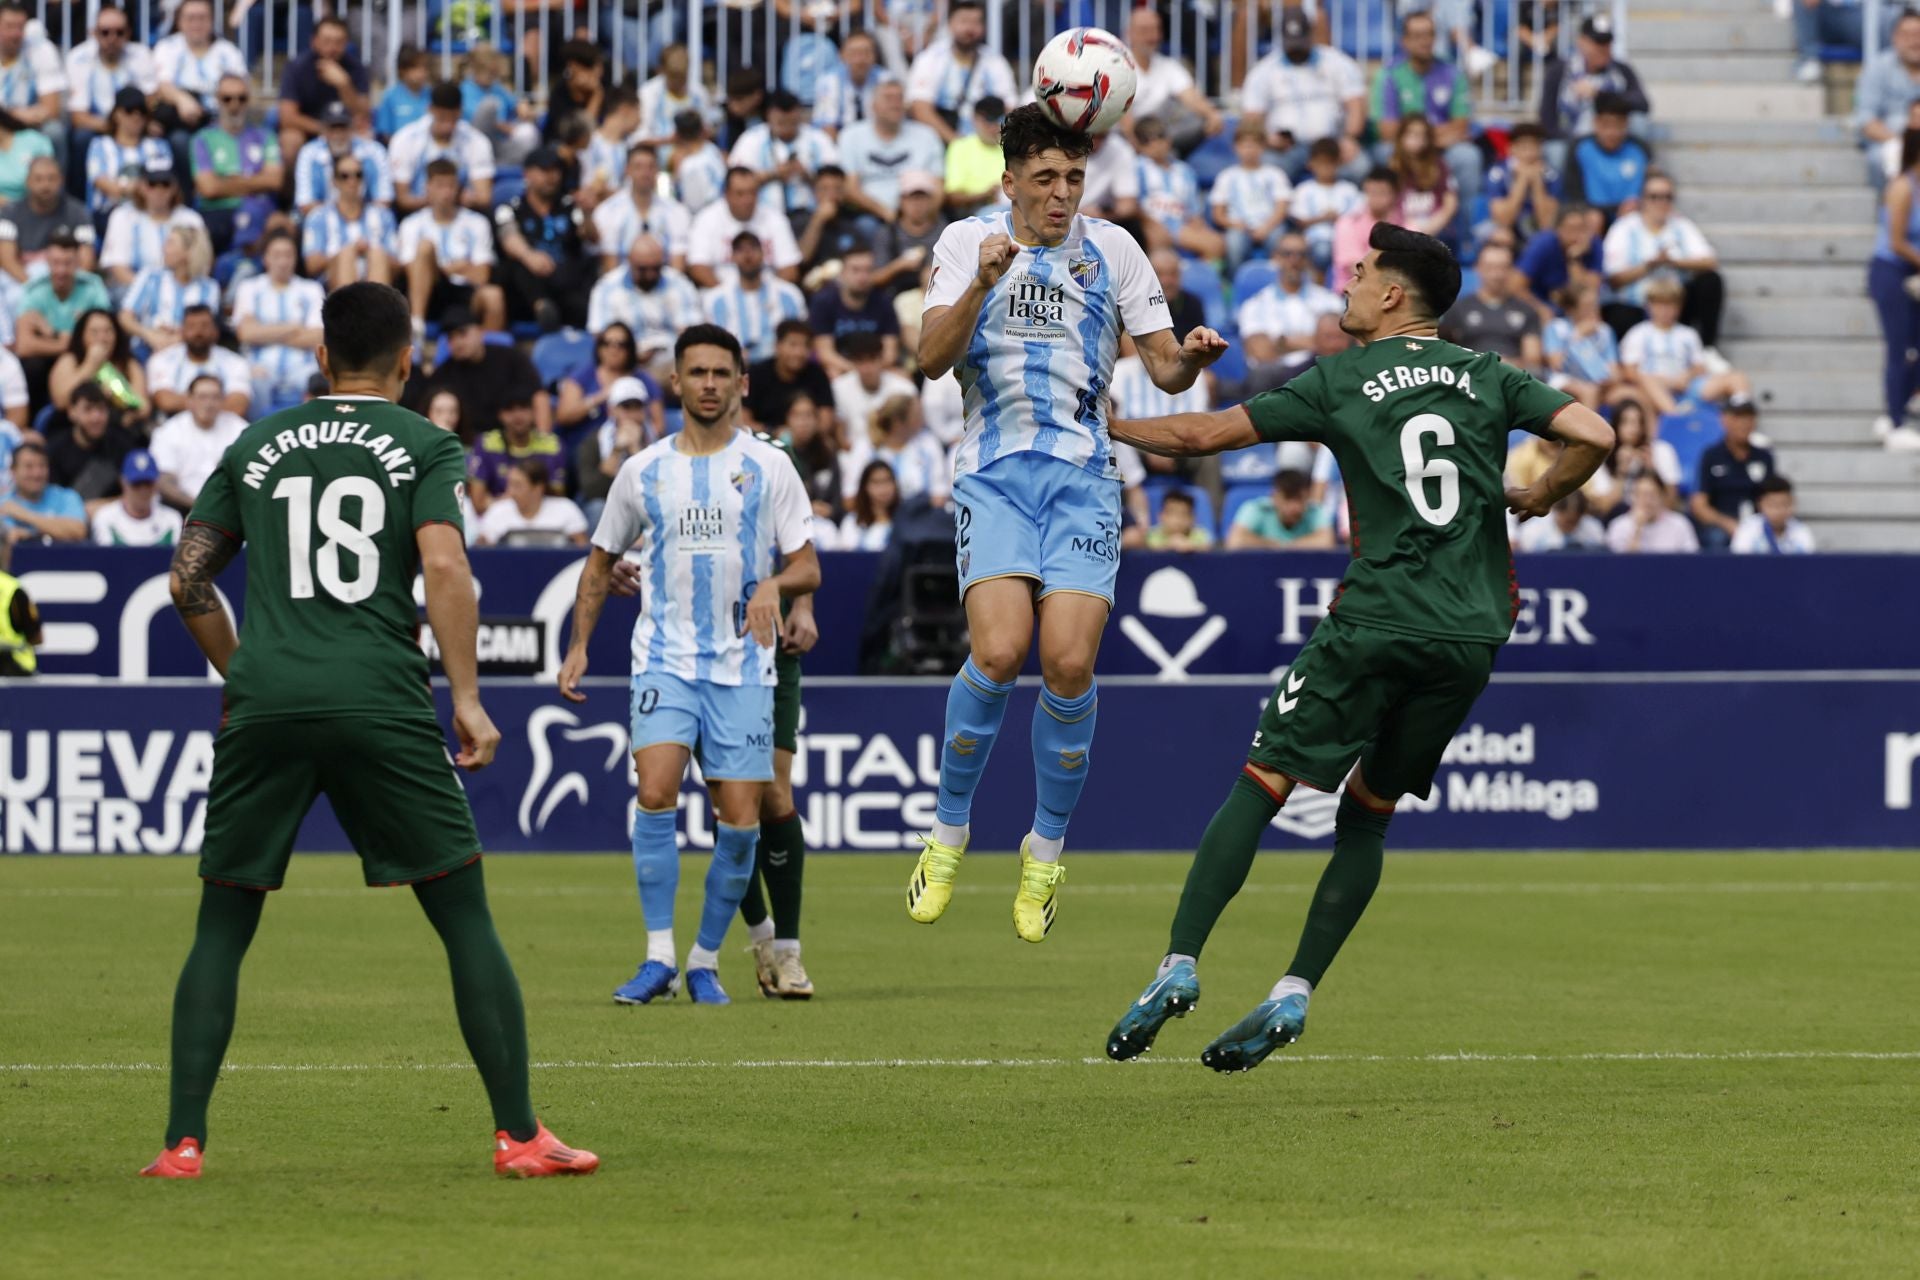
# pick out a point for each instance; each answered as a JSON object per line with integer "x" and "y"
{"x": 1246, "y": 1044}
{"x": 1171, "y": 995}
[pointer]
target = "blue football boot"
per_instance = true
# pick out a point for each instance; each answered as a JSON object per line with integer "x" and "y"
{"x": 703, "y": 985}
{"x": 1246, "y": 1044}
{"x": 651, "y": 982}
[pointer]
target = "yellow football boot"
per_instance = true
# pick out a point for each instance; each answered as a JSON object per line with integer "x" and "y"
{"x": 932, "y": 885}
{"x": 1034, "y": 905}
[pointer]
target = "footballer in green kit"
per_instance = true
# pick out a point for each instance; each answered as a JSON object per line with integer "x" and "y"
{"x": 1419, "y": 429}
{"x": 341, "y": 502}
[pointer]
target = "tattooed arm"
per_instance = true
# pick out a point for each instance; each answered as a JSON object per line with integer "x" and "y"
{"x": 203, "y": 552}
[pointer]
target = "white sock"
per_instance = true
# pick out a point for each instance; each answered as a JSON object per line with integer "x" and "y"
{"x": 1291, "y": 986}
{"x": 699, "y": 957}
{"x": 660, "y": 946}
{"x": 1172, "y": 960}
{"x": 1045, "y": 848}
{"x": 786, "y": 946}
{"x": 761, "y": 932}
{"x": 948, "y": 834}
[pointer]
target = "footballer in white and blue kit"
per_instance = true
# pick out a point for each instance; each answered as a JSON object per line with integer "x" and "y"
{"x": 1027, "y": 306}
{"x": 705, "y": 510}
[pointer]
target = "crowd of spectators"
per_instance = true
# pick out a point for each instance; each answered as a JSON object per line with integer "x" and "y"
{"x": 166, "y": 244}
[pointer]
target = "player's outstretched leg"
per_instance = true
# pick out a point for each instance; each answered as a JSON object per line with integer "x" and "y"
{"x": 486, "y": 995}
{"x": 1173, "y": 993}
{"x": 203, "y": 1009}
{"x": 656, "y": 867}
{"x": 976, "y": 703}
{"x": 727, "y": 878}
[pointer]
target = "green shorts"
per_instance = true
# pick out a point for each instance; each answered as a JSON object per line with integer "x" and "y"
{"x": 1391, "y": 701}
{"x": 391, "y": 783}
{"x": 786, "y": 702}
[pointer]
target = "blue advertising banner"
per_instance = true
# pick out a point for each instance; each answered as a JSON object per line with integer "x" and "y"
{"x": 1544, "y": 762}
{"x": 1242, "y": 613}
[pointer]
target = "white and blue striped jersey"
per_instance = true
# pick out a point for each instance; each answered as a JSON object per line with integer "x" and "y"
{"x": 135, "y": 240}
{"x": 1136, "y": 397}
{"x": 752, "y": 315}
{"x": 1251, "y": 195}
{"x": 1587, "y": 356}
{"x": 328, "y": 230}
{"x": 672, "y": 305}
{"x": 36, "y": 73}
{"x": 920, "y": 467}
{"x": 700, "y": 178}
{"x": 761, "y": 152}
{"x": 620, "y": 222}
{"x": 1664, "y": 353}
{"x": 108, "y": 159}
{"x": 605, "y": 162}
{"x": 659, "y": 105}
{"x": 1631, "y": 242}
{"x": 313, "y": 172}
{"x": 174, "y": 369}
{"x": 1275, "y": 313}
{"x": 707, "y": 529}
{"x": 1036, "y": 371}
{"x": 1169, "y": 193}
{"x": 276, "y": 365}
{"x": 415, "y": 147}
{"x": 157, "y": 298}
{"x": 91, "y": 84}
{"x": 1313, "y": 199}
{"x": 468, "y": 238}
{"x": 936, "y": 76}
{"x": 199, "y": 73}
{"x": 838, "y": 102}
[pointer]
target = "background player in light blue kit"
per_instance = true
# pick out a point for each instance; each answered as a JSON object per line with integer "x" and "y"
{"x": 1026, "y": 307}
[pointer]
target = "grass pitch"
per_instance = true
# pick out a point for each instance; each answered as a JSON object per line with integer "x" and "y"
{"x": 1530, "y": 1066}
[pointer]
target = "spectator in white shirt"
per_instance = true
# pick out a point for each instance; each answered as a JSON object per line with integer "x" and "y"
{"x": 784, "y": 153}
{"x": 1164, "y": 88}
{"x": 189, "y": 445}
{"x": 1112, "y": 189}
{"x": 1667, "y": 360}
{"x": 897, "y": 435}
{"x": 1281, "y": 318}
{"x": 1305, "y": 92}
{"x": 878, "y": 151}
{"x": 135, "y": 518}
{"x": 1250, "y": 199}
{"x": 861, "y": 390}
{"x": 639, "y": 209}
{"x": 710, "y": 242}
{"x": 752, "y": 303}
{"x": 447, "y": 252}
{"x": 189, "y": 64}
{"x": 137, "y": 233}
{"x": 1652, "y": 244}
{"x": 99, "y": 68}
{"x": 1650, "y": 524}
{"x": 172, "y": 373}
{"x": 1170, "y": 197}
{"x": 1771, "y": 528}
{"x": 441, "y": 135}
{"x": 277, "y": 315}
{"x": 947, "y": 78}
{"x": 529, "y": 508}
{"x": 33, "y": 83}
{"x": 1567, "y": 527}
{"x": 665, "y": 96}
{"x": 349, "y": 237}
{"x": 869, "y": 524}
{"x": 845, "y": 95}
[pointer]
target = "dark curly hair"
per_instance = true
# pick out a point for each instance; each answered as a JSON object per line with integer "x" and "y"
{"x": 1029, "y": 130}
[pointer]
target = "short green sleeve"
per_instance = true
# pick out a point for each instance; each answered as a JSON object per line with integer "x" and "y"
{"x": 1295, "y": 411}
{"x": 1531, "y": 403}
{"x": 219, "y": 505}
{"x": 443, "y": 475}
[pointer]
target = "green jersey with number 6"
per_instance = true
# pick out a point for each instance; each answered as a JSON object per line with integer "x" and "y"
{"x": 1419, "y": 428}
{"x": 327, "y": 497}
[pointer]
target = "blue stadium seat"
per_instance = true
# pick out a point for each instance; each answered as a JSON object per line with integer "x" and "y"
{"x": 1214, "y": 156}
{"x": 1254, "y": 275}
{"x": 1691, "y": 432}
{"x": 1159, "y": 487}
{"x": 43, "y": 420}
{"x": 558, "y": 354}
{"x": 509, "y": 181}
{"x": 1203, "y": 282}
{"x": 1236, "y": 497}
{"x": 495, "y": 338}
{"x": 1232, "y": 365}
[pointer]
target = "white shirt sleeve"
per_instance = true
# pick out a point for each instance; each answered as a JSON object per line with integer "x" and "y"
{"x": 1143, "y": 304}
{"x": 13, "y": 381}
{"x": 1693, "y": 242}
{"x": 403, "y": 155}
{"x": 622, "y": 520}
{"x": 117, "y": 251}
{"x": 1133, "y": 471}
{"x": 792, "y": 512}
{"x": 476, "y": 153}
{"x": 139, "y": 63}
{"x": 49, "y": 75}
{"x": 923, "y": 77}
{"x": 482, "y": 238}
{"x": 409, "y": 247}
{"x": 707, "y": 243}
{"x": 166, "y": 446}
{"x": 956, "y": 262}
{"x": 235, "y": 373}
{"x": 1614, "y": 250}
{"x": 1633, "y": 347}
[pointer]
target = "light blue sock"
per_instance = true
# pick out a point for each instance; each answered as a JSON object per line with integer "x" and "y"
{"x": 975, "y": 707}
{"x": 656, "y": 865}
{"x": 727, "y": 879}
{"x": 1062, "y": 742}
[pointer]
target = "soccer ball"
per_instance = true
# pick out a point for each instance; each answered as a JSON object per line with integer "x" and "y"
{"x": 1085, "y": 78}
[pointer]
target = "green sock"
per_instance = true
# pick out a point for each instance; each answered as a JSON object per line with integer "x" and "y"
{"x": 485, "y": 993}
{"x": 1346, "y": 886}
{"x": 1220, "y": 866}
{"x": 203, "y": 1003}
{"x": 783, "y": 858}
{"x": 753, "y": 907}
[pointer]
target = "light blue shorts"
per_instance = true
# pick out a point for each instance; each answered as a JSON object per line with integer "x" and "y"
{"x": 729, "y": 726}
{"x": 1028, "y": 515}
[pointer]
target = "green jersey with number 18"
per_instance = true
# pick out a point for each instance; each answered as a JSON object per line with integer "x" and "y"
{"x": 326, "y": 497}
{"x": 1419, "y": 428}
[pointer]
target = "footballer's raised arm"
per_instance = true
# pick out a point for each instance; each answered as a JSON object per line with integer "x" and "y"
{"x": 963, "y": 276}
{"x": 1187, "y": 435}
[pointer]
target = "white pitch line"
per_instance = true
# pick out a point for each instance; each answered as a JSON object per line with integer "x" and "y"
{"x": 1461, "y": 1057}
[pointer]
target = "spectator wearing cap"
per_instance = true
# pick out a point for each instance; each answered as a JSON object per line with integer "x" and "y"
{"x": 136, "y": 518}
{"x": 20, "y": 145}
{"x": 1732, "y": 472}
{"x": 407, "y": 98}
{"x": 188, "y": 446}
{"x": 669, "y": 94}
{"x": 1164, "y": 88}
{"x": 173, "y": 371}
{"x": 38, "y": 509}
{"x": 156, "y": 302}
{"x": 447, "y": 253}
{"x": 485, "y": 377}
{"x": 785, "y": 153}
{"x": 948, "y": 77}
{"x": 52, "y": 304}
{"x": 639, "y": 209}
{"x": 851, "y": 305}
{"x": 136, "y": 234}
{"x": 844, "y": 95}
{"x": 1607, "y": 168}
{"x": 1572, "y": 87}
{"x": 905, "y": 245}
{"x": 528, "y": 514}
{"x": 1887, "y": 87}
{"x": 33, "y": 82}
{"x": 1421, "y": 84}
{"x": 188, "y": 65}
{"x": 1250, "y": 198}
{"x": 237, "y": 173}
{"x": 1280, "y": 319}
{"x": 835, "y": 228}
{"x": 876, "y": 151}
{"x": 710, "y": 241}
{"x": 276, "y": 316}
{"x": 792, "y": 370}
{"x": 752, "y": 302}
{"x": 98, "y": 69}
{"x": 442, "y": 135}
{"x": 1655, "y": 243}
{"x": 1771, "y": 529}
{"x": 697, "y": 167}
{"x": 349, "y": 237}
{"x": 647, "y": 295}
{"x": 1568, "y": 253}
{"x": 1170, "y": 197}
{"x": 328, "y": 71}
{"x": 631, "y": 423}
{"x": 118, "y": 155}
{"x": 314, "y": 165}
{"x": 541, "y": 234}
{"x": 1495, "y": 318}
{"x": 581, "y": 89}
{"x": 516, "y": 437}
{"x": 85, "y": 453}
{"x": 46, "y": 210}
{"x": 1305, "y": 92}
{"x": 974, "y": 163}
